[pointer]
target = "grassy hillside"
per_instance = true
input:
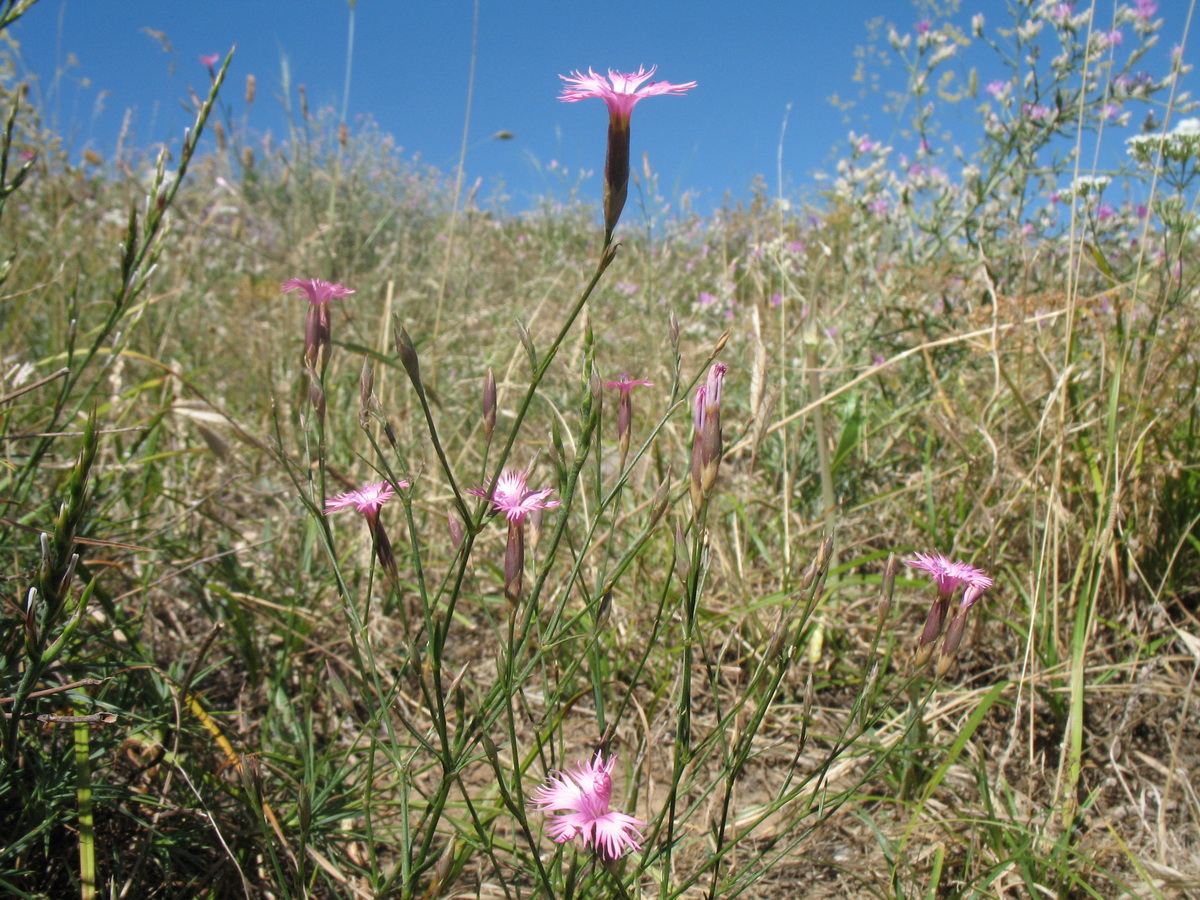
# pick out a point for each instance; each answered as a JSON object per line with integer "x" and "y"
{"x": 212, "y": 687}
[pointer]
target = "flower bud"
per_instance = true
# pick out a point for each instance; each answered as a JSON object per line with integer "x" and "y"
{"x": 489, "y": 405}
{"x": 683, "y": 561}
{"x": 662, "y": 497}
{"x": 408, "y": 358}
{"x": 706, "y": 439}
{"x": 514, "y": 562}
{"x": 932, "y": 629}
{"x": 456, "y": 529}
{"x": 954, "y": 635}
{"x": 317, "y": 337}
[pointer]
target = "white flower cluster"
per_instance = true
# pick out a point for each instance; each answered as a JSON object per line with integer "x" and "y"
{"x": 1180, "y": 144}
{"x": 1088, "y": 184}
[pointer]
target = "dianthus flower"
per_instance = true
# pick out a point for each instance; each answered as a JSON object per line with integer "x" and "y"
{"x": 620, "y": 96}
{"x": 585, "y": 794}
{"x": 367, "y": 500}
{"x": 625, "y": 409}
{"x": 511, "y": 495}
{"x": 947, "y": 575}
{"x": 317, "y": 334}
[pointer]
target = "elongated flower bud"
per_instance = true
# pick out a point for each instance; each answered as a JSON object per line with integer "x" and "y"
{"x": 954, "y": 635}
{"x": 489, "y": 405}
{"x": 407, "y": 352}
{"x": 514, "y": 562}
{"x": 706, "y": 438}
{"x": 456, "y": 529}
{"x": 625, "y": 385}
{"x": 662, "y": 497}
{"x": 366, "y": 383}
{"x": 932, "y": 629}
{"x": 683, "y": 559}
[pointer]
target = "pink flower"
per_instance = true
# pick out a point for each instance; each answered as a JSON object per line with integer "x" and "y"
{"x": 317, "y": 324}
{"x": 620, "y": 93}
{"x": 318, "y": 291}
{"x": 625, "y": 409}
{"x": 511, "y": 495}
{"x": 367, "y": 499}
{"x": 209, "y": 61}
{"x": 1144, "y": 9}
{"x": 626, "y": 384}
{"x": 947, "y": 574}
{"x": 624, "y": 93}
{"x": 513, "y": 498}
{"x": 1037, "y": 111}
{"x": 585, "y": 794}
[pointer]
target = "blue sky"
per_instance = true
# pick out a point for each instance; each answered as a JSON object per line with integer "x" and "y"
{"x": 411, "y": 64}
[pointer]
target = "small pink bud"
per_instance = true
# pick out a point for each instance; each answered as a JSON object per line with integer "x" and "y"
{"x": 456, "y": 529}
{"x": 706, "y": 439}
